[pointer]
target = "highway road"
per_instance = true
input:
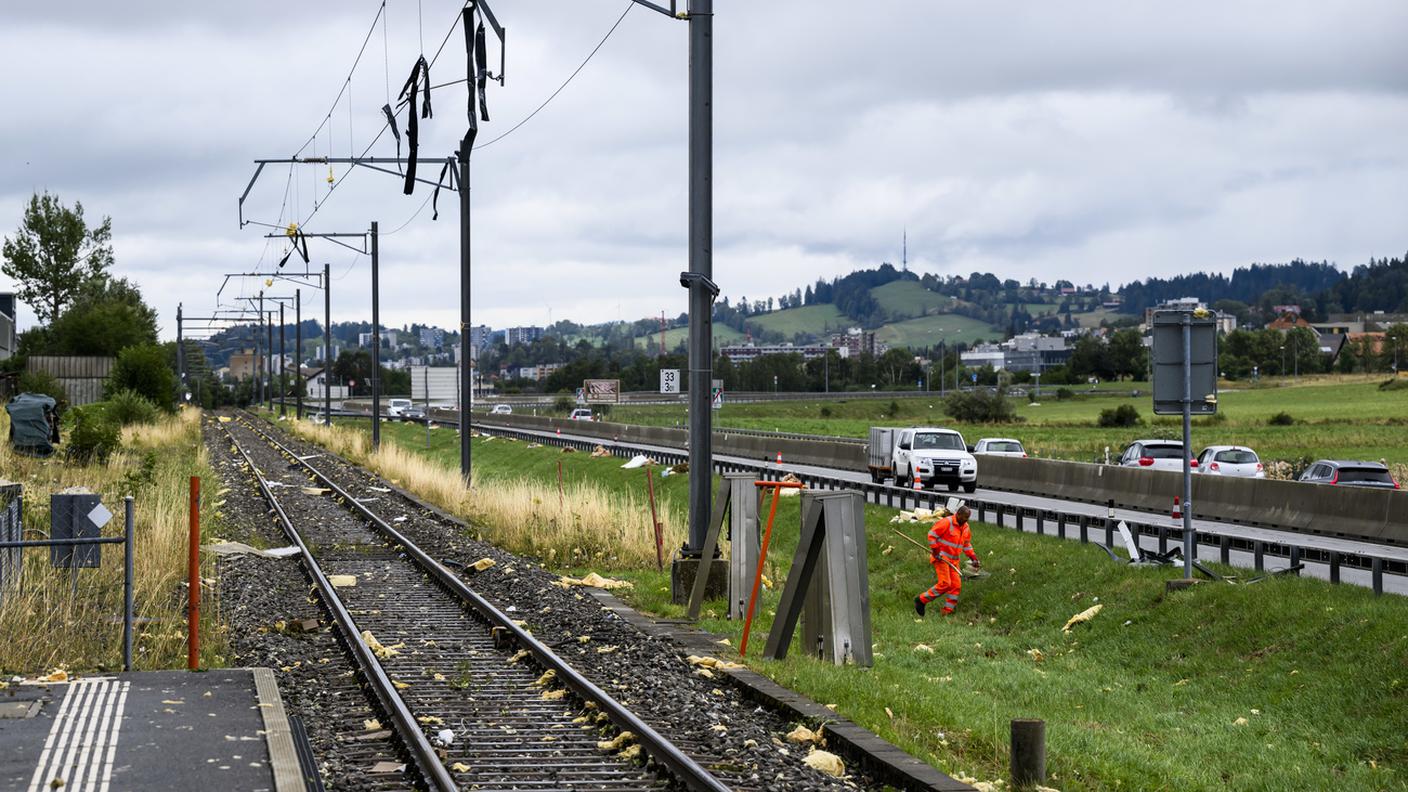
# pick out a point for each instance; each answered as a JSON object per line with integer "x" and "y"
{"x": 1393, "y": 583}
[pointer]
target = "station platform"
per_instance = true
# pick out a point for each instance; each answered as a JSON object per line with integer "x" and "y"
{"x": 222, "y": 729}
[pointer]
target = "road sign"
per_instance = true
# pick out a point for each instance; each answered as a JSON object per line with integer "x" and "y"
{"x": 602, "y": 391}
{"x": 669, "y": 380}
{"x": 716, "y": 395}
{"x": 1168, "y": 363}
{"x": 975, "y": 378}
{"x": 99, "y": 515}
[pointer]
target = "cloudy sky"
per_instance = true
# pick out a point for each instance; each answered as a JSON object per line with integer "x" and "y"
{"x": 1091, "y": 141}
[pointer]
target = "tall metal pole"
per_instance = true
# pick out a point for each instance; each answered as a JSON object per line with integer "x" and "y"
{"x": 701, "y": 264}
{"x": 269, "y": 356}
{"x": 180, "y": 359}
{"x": 327, "y": 345}
{"x": 376, "y": 342}
{"x": 298, "y": 352}
{"x": 1189, "y": 546}
{"x": 466, "y": 367}
{"x": 257, "y": 392}
{"x": 283, "y": 361}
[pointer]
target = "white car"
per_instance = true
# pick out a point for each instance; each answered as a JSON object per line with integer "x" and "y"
{"x": 929, "y": 455}
{"x": 502, "y": 409}
{"x": 394, "y": 407}
{"x": 1155, "y": 455}
{"x": 1000, "y": 446}
{"x": 1230, "y": 461}
{"x": 580, "y": 414}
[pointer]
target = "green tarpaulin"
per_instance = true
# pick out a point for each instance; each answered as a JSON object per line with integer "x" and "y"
{"x": 33, "y": 424}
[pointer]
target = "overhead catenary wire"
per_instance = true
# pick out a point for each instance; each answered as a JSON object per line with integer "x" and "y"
{"x": 381, "y": 9}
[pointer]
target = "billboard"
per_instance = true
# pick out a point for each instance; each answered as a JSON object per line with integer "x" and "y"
{"x": 602, "y": 391}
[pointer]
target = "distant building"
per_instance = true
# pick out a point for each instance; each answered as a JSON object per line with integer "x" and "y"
{"x": 1028, "y": 352}
{"x": 1287, "y": 321}
{"x": 479, "y": 337}
{"x": 432, "y": 337}
{"x": 7, "y": 325}
{"x": 522, "y": 335}
{"x": 857, "y": 342}
{"x": 245, "y": 363}
{"x": 742, "y": 353}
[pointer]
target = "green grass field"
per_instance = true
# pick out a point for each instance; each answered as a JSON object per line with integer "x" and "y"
{"x": 1291, "y": 684}
{"x": 906, "y": 299}
{"x": 1334, "y": 418}
{"x": 815, "y": 320}
{"x": 927, "y": 331}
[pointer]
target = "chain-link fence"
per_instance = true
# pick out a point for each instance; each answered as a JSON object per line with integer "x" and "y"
{"x": 11, "y": 530}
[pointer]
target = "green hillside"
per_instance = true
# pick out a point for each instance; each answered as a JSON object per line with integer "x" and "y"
{"x": 674, "y": 336}
{"x": 930, "y": 330}
{"x": 815, "y": 320}
{"x": 905, "y": 299}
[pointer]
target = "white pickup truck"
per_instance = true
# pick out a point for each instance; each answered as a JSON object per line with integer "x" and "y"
{"x": 926, "y": 454}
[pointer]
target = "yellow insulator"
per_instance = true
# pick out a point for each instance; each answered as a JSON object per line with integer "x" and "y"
{"x": 268, "y": 281}
{"x": 330, "y": 178}
{"x": 291, "y": 230}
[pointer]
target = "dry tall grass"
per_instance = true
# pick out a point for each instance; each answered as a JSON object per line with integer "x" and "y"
{"x": 45, "y": 625}
{"x": 521, "y": 515}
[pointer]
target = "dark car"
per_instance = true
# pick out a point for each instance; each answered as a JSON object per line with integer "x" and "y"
{"x": 1349, "y": 473}
{"x": 413, "y": 414}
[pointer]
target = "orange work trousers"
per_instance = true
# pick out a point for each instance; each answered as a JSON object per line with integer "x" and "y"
{"x": 950, "y": 582}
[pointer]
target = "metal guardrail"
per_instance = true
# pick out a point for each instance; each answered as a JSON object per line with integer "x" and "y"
{"x": 1059, "y": 523}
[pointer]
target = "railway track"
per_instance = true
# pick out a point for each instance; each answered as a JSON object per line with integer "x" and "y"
{"x": 695, "y": 733}
{"x": 473, "y": 698}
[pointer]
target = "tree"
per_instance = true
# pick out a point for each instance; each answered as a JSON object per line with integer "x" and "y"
{"x": 107, "y": 316}
{"x": 1128, "y": 356}
{"x": 54, "y": 254}
{"x": 144, "y": 369}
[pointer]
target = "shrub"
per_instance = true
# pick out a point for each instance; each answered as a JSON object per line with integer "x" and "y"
{"x": 1121, "y": 416}
{"x": 94, "y": 437}
{"x": 127, "y": 407}
{"x": 1065, "y": 393}
{"x": 825, "y": 412}
{"x": 894, "y": 409}
{"x": 980, "y": 406}
{"x": 1282, "y": 418}
{"x": 1394, "y": 384}
{"x": 144, "y": 370}
{"x": 45, "y": 383}
{"x": 564, "y": 404}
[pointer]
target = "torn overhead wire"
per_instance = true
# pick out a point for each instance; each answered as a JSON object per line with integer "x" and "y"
{"x": 420, "y": 71}
{"x": 435, "y": 197}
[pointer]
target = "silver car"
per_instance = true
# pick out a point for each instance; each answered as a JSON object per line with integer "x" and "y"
{"x": 1155, "y": 455}
{"x": 1224, "y": 460}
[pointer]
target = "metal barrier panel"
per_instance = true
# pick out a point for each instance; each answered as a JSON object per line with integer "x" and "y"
{"x": 11, "y": 530}
{"x": 69, "y": 518}
{"x": 836, "y": 605}
{"x": 745, "y": 541}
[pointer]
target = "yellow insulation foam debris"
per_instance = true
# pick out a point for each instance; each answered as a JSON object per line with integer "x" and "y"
{"x": 1084, "y": 616}
{"x": 593, "y": 580}
{"x": 826, "y": 762}
{"x": 617, "y": 742}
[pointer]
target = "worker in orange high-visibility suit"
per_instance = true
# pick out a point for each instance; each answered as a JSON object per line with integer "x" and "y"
{"x": 947, "y": 539}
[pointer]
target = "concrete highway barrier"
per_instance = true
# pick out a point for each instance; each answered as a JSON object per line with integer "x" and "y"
{"x": 1350, "y": 512}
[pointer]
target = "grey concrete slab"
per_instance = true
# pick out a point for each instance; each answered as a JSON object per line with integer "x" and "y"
{"x": 152, "y": 730}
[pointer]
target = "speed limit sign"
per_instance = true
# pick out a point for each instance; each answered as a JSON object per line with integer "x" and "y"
{"x": 669, "y": 380}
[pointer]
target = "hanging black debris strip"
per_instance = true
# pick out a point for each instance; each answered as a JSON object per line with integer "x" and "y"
{"x": 395, "y": 132}
{"x": 420, "y": 71}
{"x": 299, "y": 246}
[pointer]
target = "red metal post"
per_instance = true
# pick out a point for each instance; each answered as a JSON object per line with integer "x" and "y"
{"x": 655, "y": 521}
{"x": 777, "y": 487}
{"x": 193, "y": 581}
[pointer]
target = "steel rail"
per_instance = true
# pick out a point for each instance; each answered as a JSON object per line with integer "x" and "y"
{"x": 657, "y": 745}
{"x": 422, "y": 752}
